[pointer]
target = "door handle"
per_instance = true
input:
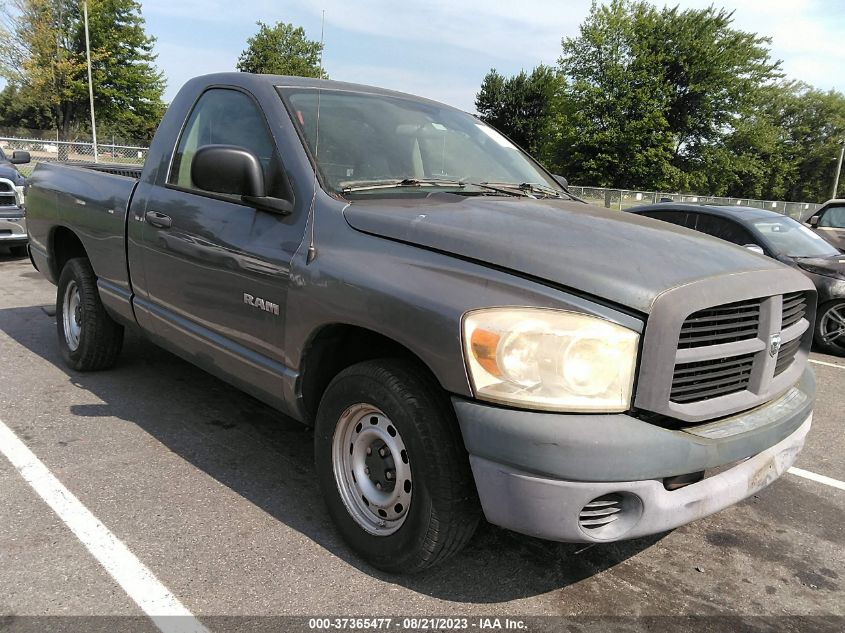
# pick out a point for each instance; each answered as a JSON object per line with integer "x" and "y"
{"x": 159, "y": 220}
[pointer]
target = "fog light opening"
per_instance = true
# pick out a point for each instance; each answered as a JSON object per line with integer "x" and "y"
{"x": 610, "y": 516}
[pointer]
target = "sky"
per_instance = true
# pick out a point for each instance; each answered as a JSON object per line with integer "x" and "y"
{"x": 442, "y": 49}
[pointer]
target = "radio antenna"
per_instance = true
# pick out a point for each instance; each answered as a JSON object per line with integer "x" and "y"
{"x": 312, "y": 246}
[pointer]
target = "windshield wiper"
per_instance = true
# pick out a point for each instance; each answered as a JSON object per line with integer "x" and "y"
{"x": 368, "y": 185}
{"x": 533, "y": 188}
{"x": 509, "y": 189}
{"x": 505, "y": 188}
{"x": 527, "y": 187}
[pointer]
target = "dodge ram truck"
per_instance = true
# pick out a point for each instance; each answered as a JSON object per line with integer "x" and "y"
{"x": 465, "y": 336}
{"x": 12, "y": 196}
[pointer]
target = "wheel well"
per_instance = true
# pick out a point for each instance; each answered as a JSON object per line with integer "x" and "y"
{"x": 65, "y": 246}
{"x": 336, "y": 347}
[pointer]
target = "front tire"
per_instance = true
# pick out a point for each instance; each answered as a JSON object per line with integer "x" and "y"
{"x": 392, "y": 467}
{"x": 89, "y": 339}
{"x": 830, "y": 327}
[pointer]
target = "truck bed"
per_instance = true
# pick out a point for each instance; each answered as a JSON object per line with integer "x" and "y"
{"x": 93, "y": 201}
{"x": 116, "y": 169}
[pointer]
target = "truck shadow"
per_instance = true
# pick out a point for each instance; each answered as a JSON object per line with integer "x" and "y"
{"x": 7, "y": 256}
{"x": 267, "y": 459}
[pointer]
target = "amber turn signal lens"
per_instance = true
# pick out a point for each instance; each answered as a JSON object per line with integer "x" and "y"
{"x": 483, "y": 344}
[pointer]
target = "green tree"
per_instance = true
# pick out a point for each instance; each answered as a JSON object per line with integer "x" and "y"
{"x": 20, "y": 112}
{"x": 43, "y": 56}
{"x": 281, "y": 50}
{"x": 711, "y": 75}
{"x": 787, "y": 148}
{"x": 650, "y": 92}
{"x": 615, "y": 127}
{"x": 128, "y": 87}
{"x": 522, "y": 107}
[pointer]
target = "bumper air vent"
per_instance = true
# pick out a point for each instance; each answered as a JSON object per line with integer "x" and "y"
{"x": 601, "y": 511}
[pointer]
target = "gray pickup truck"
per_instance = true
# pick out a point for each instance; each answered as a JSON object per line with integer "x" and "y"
{"x": 463, "y": 334}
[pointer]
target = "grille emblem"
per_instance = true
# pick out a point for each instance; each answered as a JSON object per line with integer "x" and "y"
{"x": 774, "y": 345}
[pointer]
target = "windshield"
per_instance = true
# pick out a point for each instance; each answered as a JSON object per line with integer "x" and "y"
{"x": 788, "y": 237}
{"x": 373, "y": 144}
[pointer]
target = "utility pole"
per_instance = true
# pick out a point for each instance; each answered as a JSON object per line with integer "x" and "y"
{"x": 838, "y": 168}
{"x": 90, "y": 83}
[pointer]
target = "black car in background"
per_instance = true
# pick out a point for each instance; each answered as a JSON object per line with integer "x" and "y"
{"x": 782, "y": 238}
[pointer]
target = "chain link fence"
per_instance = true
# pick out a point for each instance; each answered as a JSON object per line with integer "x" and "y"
{"x": 624, "y": 199}
{"x": 45, "y": 150}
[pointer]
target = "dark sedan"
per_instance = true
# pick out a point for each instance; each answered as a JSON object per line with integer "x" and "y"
{"x": 783, "y": 239}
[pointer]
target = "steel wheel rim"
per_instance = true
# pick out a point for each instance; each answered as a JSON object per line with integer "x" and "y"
{"x": 375, "y": 485}
{"x": 833, "y": 326}
{"x": 72, "y": 316}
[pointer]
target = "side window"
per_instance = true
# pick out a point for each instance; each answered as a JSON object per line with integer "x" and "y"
{"x": 673, "y": 217}
{"x": 723, "y": 229}
{"x": 833, "y": 218}
{"x": 227, "y": 117}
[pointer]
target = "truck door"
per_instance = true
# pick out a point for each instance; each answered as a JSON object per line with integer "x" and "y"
{"x": 216, "y": 269}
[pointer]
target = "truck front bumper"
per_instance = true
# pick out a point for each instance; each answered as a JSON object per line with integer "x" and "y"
{"x": 599, "y": 478}
{"x": 12, "y": 227}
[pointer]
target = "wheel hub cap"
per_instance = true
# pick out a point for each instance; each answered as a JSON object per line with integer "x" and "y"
{"x": 372, "y": 469}
{"x": 833, "y": 326}
{"x": 72, "y": 316}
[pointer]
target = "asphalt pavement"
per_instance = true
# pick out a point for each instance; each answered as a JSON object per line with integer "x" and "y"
{"x": 215, "y": 494}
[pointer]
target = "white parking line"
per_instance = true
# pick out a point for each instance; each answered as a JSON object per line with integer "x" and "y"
{"x": 165, "y": 610}
{"x": 826, "y": 364}
{"x": 828, "y": 481}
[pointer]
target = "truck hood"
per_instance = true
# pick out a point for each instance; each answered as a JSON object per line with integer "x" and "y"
{"x": 619, "y": 257}
{"x": 8, "y": 171}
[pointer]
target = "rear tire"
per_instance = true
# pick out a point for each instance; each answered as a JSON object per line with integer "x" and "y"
{"x": 412, "y": 501}
{"x": 830, "y": 327}
{"x": 89, "y": 339}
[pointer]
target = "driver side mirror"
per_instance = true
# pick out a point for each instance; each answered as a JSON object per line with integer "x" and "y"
{"x": 233, "y": 170}
{"x": 813, "y": 221}
{"x": 20, "y": 158}
{"x": 563, "y": 182}
{"x": 755, "y": 248}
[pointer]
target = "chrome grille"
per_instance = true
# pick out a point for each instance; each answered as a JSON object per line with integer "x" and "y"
{"x": 723, "y": 324}
{"x": 701, "y": 380}
{"x": 601, "y": 511}
{"x": 794, "y": 307}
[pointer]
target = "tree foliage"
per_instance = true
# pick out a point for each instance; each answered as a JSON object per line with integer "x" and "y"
{"x": 281, "y": 50}
{"x": 522, "y": 107}
{"x": 42, "y": 57}
{"x": 673, "y": 100}
{"x": 657, "y": 86}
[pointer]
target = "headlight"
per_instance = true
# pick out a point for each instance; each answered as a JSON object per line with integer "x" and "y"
{"x": 21, "y": 191}
{"x": 550, "y": 359}
{"x": 821, "y": 270}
